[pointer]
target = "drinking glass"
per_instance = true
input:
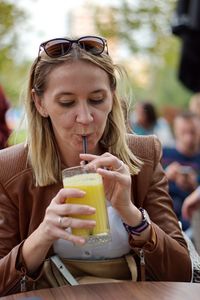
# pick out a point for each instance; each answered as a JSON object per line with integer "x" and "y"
{"x": 92, "y": 183}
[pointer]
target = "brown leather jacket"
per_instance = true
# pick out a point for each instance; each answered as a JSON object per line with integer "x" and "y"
{"x": 22, "y": 208}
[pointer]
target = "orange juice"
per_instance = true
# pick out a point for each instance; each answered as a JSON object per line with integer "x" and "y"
{"x": 92, "y": 184}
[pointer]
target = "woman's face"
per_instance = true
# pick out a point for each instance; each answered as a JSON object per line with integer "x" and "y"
{"x": 78, "y": 99}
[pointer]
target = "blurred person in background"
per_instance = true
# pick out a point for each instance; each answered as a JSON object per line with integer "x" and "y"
{"x": 191, "y": 204}
{"x": 182, "y": 163}
{"x": 145, "y": 121}
{"x": 191, "y": 212}
{"x": 4, "y": 129}
{"x": 194, "y": 104}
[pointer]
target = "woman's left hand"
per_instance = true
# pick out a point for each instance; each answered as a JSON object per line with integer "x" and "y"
{"x": 116, "y": 179}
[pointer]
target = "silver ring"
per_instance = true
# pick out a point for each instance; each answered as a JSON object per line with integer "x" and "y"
{"x": 120, "y": 167}
{"x": 60, "y": 221}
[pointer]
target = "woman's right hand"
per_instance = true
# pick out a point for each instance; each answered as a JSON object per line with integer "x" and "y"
{"x": 57, "y": 220}
{"x": 53, "y": 227}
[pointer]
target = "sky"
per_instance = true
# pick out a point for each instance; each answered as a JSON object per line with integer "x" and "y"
{"x": 47, "y": 19}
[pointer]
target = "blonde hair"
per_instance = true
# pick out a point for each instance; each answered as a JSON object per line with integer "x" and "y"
{"x": 42, "y": 149}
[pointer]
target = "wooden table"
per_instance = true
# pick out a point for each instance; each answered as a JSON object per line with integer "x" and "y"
{"x": 117, "y": 291}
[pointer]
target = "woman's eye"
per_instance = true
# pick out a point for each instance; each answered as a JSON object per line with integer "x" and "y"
{"x": 96, "y": 101}
{"x": 66, "y": 103}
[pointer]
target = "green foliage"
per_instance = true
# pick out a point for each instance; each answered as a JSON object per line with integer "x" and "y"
{"x": 144, "y": 26}
{"x": 12, "y": 72}
{"x": 18, "y": 136}
{"x": 13, "y": 79}
{"x": 168, "y": 91}
{"x": 10, "y": 16}
{"x": 131, "y": 20}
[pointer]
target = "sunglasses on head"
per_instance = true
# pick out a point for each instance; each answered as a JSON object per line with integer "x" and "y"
{"x": 61, "y": 46}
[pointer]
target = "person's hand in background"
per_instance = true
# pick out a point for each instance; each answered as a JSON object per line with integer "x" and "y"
{"x": 186, "y": 179}
{"x": 172, "y": 170}
{"x": 184, "y": 176}
{"x": 191, "y": 203}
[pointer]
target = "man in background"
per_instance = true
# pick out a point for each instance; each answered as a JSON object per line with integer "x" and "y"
{"x": 182, "y": 162}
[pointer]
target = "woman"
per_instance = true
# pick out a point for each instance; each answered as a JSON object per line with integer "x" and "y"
{"x": 71, "y": 94}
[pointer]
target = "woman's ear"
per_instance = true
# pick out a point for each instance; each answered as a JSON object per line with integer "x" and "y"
{"x": 39, "y": 104}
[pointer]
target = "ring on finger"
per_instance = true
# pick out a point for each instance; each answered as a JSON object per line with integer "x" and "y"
{"x": 120, "y": 167}
{"x": 69, "y": 222}
{"x": 60, "y": 221}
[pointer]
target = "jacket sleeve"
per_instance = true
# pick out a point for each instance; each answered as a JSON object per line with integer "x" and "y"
{"x": 13, "y": 271}
{"x": 12, "y": 268}
{"x": 9, "y": 243}
{"x": 168, "y": 259}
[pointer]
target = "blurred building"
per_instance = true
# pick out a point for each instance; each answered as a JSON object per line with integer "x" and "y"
{"x": 81, "y": 21}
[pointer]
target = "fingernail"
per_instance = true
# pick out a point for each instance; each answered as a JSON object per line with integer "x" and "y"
{"x": 82, "y": 241}
{"x": 83, "y": 193}
{"x": 92, "y": 209}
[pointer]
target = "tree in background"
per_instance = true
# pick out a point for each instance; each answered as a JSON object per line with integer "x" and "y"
{"x": 144, "y": 26}
{"x": 11, "y": 18}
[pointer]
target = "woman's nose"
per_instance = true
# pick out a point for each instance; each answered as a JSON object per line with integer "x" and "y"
{"x": 84, "y": 115}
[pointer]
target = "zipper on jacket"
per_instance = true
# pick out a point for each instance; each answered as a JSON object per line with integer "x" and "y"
{"x": 23, "y": 286}
{"x": 24, "y": 280}
{"x": 142, "y": 265}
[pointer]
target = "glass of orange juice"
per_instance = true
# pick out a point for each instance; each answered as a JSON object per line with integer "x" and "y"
{"x": 90, "y": 182}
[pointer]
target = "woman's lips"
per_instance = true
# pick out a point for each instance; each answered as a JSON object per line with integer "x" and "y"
{"x": 87, "y": 136}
